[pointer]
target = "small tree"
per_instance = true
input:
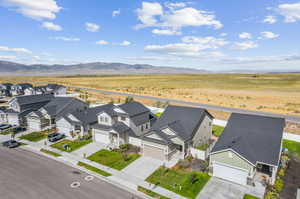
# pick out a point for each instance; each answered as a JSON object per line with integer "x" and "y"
{"x": 129, "y": 99}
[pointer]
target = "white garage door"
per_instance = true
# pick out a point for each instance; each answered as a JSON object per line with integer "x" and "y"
{"x": 153, "y": 152}
{"x": 102, "y": 138}
{"x": 64, "y": 130}
{"x": 231, "y": 174}
{"x": 34, "y": 125}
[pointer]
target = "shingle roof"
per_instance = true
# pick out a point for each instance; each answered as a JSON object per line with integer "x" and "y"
{"x": 184, "y": 121}
{"x": 256, "y": 138}
{"x": 119, "y": 127}
{"x": 31, "y": 99}
{"x": 134, "y": 108}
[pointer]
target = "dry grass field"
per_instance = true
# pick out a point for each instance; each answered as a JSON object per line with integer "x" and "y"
{"x": 277, "y": 93}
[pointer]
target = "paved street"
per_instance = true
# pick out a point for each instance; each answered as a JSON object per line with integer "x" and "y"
{"x": 27, "y": 175}
{"x": 289, "y": 118}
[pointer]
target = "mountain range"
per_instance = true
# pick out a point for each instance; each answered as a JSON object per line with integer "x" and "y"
{"x": 96, "y": 68}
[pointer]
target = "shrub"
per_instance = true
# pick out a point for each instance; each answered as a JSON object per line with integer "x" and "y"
{"x": 125, "y": 147}
{"x": 271, "y": 195}
{"x": 281, "y": 173}
{"x": 278, "y": 185}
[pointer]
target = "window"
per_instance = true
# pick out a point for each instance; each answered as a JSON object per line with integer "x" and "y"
{"x": 106, "y": 119}
{"x": 101, "y": 119}
{"x": 142, "y": 128}
{"x": 123, "y": 118}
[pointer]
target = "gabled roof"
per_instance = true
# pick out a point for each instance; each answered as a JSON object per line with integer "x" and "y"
{"x": 183, "y": 121}
{"x": 54, "y": 86}
{"x": 24, "y": 85}
{"x": 32, "y": 99}
{"x": 134, "y": 108}
{"x": 256, "y": 138}
{"x": 89, "y": 115}
{"x": 60, "y": 106}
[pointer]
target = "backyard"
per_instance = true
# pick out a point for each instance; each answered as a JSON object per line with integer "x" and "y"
{"x": 113, "y": 159}
{"x": 73, "y": 145}
{"x": 217, "y": 130}
{"x": 293, "y": 147}
{"x": 182, "y": 182}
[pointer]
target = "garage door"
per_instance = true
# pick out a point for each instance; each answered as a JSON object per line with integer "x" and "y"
{"x": 64, "y": 130}
{"x": 100, "y": 137}
{"x": 34, "y": 125}
{"x": 154, "y": 152}
{"x": 231, "y": 174}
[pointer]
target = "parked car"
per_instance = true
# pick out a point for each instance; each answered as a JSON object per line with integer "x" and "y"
{"x": 4, "y": 127}
{"x": 55, "y": 136}
{"x": 11, "y": 144}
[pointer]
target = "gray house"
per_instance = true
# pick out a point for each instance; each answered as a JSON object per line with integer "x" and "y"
{"x": 56, "y": 89}
{"x": 122, "y": 124}
{"x": 5, "y": 89}
{"x": 178, "y": 129}
{"x": 46, "y": 116}
{"x": 19, "y": 89}
{"x": 20, "y": 106}
{"x": 80, "y": 122}
{"x": 249, "y": 149}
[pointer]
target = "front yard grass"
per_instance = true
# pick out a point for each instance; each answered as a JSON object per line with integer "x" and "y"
{"x": 113, "y": 159}
{"x": 50, "y": 153}
{"x": 151, "y": 193}
{"x": 5, "y": 132}
{"x": 247, "y": 196}
{"x": 74, "y": 145}
{"x": 94, "y": 169}
{"x": 217, "y": 130}
{"x": 34, "y": 137}
{"x": 292, "y": 146}
{"x": 182, "y": 182}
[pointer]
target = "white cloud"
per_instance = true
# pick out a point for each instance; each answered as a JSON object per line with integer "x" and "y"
{"x": 245, "y": 45}
{"x": 51, "y": 26}
{"x": 153, "y": 15}
{"x": 175, "y": 5}
{"x": 66, "y": 38}
{"x": 8, "y": 57}
{"x": 269, "y": 35}
{"x": 92, "y": 27}
{"x": 262, "y": 59}
{"x": 166, "y": 32}
{"x": 35, "y": 9}
{"x": 125, "y": 43}
{"x": 223, "y": 34}
{"x": 148, "y": 12}
{"x": 291, "y": 12}
{"x": 16, "y": 50}
{"x": 245, "y": 35}
{"x": 116, "y": 13}
{"x": 191, "y": 47}
{"x": 270, "y": 19}
{"x": 102, "y": 42}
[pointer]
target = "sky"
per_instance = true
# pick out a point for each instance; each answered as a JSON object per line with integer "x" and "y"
{"x": 213, "y": 35}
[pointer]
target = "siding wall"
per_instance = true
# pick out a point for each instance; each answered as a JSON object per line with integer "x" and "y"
{"x": 204, "y": 132}
{"x": 235, "y": 160}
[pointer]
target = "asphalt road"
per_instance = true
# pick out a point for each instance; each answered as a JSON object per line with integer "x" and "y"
{"x": 289, "y": 118}
{"x": 26, "y": 175}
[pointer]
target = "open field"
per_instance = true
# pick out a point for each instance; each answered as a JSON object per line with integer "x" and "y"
{"x": 277, "y": 93}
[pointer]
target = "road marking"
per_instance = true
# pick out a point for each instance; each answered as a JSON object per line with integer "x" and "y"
{"x": 89, "y": 178}
{"x": 75, "y": 184}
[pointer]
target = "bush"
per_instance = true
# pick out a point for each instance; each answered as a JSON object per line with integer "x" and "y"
{"x": 278, "y": 185}
{"x": 125, "y": 147}
{"x": 281, "y": 173}
{"x": 271, "y": 195}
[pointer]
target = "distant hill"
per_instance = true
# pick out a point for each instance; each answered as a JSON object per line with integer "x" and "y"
{"x": 11, "y": 68}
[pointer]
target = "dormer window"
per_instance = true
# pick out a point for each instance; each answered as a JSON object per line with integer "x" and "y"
{"x": 123, "y": 118}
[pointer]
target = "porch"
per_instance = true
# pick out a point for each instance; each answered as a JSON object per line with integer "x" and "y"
{"x": 264, "y": 174}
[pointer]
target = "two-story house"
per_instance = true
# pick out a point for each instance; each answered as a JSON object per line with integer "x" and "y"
{"x": 19, "y": 89}
{"x": 5, "y": 89}
{"x": 46, "y": 116}
{"x": 122, "y": 124}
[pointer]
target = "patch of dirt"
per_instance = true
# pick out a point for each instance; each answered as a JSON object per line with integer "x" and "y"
{"x": 291, "y": 180}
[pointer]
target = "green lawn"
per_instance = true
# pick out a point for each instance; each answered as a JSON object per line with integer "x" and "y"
{"x": 50, "y": 152}
{"x": 292, "y": 146}
{"x": 113, "y": 159}
{"x": 158, "y": 114}
{"x": 247, "y": 196}
{"x": 217, "y": 130}
{"x": 151, "y": 193}
{"x": 185, "y": 183}
{"x": 74, "y": 145}
{"x": 34, "y": 137}
{"x": 94, "y": 169}
{"x": 5, "y": 132}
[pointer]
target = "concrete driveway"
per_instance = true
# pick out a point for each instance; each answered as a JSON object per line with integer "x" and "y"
{"x": 220, "y": 189}
{"x": 89, "y": 149}
{"x": 142, "y": 167}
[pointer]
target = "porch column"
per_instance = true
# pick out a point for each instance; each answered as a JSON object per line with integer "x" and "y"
{"x": 82, "y": 131}
{"x": 118, "y": 139}
{"x": 183, "y": 151}
{"x": 274, "y": 172}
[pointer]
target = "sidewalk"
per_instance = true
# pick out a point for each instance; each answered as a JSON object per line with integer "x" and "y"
{"x": 118, "y": 177}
